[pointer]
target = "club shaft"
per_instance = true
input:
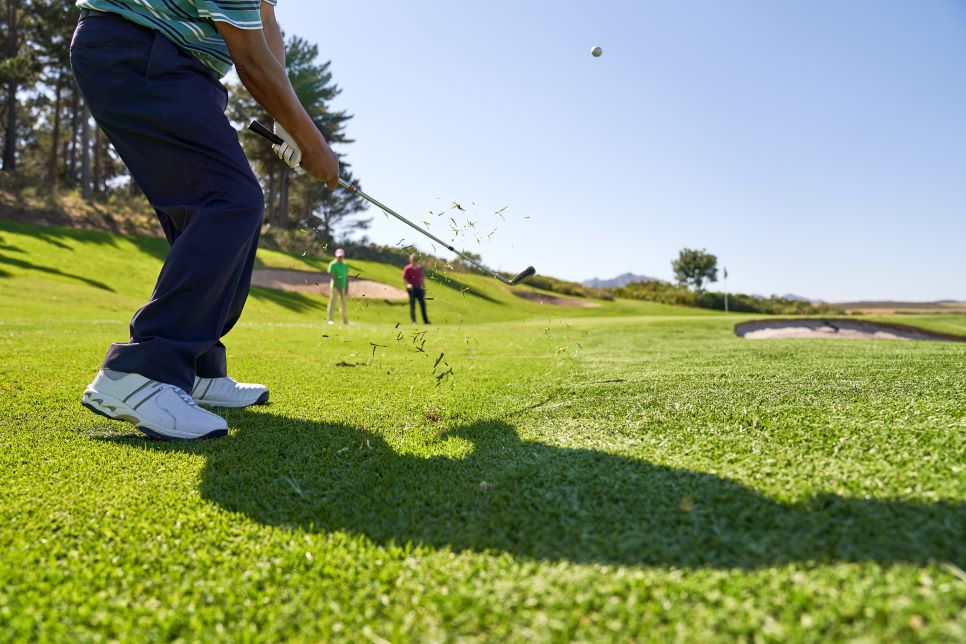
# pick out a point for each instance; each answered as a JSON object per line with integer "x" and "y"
{"x": 375, "y": 202}
{"x": 266, "y": 133}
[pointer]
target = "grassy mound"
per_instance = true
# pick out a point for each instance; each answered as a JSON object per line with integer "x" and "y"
{"x": 58, "y": 269}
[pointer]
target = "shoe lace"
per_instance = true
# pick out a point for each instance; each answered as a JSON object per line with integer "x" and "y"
{"x": 181, "y": 393}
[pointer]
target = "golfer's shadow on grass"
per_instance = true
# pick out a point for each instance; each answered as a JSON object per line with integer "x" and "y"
{"x": 537, "y": 501}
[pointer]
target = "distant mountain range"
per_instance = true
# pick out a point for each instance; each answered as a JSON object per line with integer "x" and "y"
{"x": 620, "y": 280}
{"x": 800, "y": 298}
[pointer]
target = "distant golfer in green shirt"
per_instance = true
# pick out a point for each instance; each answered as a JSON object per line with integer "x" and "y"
{"x": 339, "y": 285}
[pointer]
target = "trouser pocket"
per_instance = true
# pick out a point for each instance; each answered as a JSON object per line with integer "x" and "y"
{"x": 110, "y": 49}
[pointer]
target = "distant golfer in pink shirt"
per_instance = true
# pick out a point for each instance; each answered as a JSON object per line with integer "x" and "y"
{"x": 416, "y": 286}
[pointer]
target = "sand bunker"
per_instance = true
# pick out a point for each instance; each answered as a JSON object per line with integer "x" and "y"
{"x": 318, "y": 284}
{"x": 554, "y": 300}
{"x": 836, "y": 329}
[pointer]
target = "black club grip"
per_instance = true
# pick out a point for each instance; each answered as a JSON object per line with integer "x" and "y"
{"x": 264, "y": 132}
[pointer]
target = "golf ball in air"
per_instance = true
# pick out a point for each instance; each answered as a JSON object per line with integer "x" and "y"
{"x": 596, "y": 51}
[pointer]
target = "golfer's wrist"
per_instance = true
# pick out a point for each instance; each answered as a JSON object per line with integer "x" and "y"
{"x": 308, "y": 137}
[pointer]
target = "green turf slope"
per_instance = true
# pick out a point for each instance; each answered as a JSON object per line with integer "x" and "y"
{"x": 582, "y": 475}
{"x": 89, "y": 272}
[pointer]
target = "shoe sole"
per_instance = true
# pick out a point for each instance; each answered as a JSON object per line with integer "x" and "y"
{"x": 150, "y": 431}
{"x": 262, "y": 400}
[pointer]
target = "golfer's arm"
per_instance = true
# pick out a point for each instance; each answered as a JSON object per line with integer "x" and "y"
{"x": 273, "y": 33}
{"x": 263, "y": 75}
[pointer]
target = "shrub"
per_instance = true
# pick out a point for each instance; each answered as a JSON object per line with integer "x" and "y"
{"x": 738, "y": 302}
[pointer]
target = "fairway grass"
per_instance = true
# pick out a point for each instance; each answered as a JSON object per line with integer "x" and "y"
{"x": 631, "y": 472}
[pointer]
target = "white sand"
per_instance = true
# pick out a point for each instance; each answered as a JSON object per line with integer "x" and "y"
{"x": 318, "y": 283}
{"x": 831, "y": 330}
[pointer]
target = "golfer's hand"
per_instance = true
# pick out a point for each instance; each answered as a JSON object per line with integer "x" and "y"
{"x": 263, "y": 74}
{"x": 320, "y": 161}
{"x": 288, "y": 151}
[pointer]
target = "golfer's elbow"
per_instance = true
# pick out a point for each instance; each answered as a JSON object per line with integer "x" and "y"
{"x": 247, "y": 68}
{"x": 245, "y": 46}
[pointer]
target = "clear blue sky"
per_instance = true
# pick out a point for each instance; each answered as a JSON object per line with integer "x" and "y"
{"x": 816, "y": 147}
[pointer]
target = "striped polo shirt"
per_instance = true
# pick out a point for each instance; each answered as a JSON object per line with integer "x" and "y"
{"x": 189, "y": 24}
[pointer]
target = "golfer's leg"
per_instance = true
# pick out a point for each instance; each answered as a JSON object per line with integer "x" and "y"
{"x": 170, "y": 233}
{"x": 164, "y": 113}
{"x": 213, "y": 363}
{"x": 333, "y": 293}
{"x": 412, "y": 304}
{"x": 345, "y": 317}
{"x": 422, "y": 305}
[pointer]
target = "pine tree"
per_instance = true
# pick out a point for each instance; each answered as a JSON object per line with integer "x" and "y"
{"x": 52, "y": 28}
{"x": 17, "y": 68}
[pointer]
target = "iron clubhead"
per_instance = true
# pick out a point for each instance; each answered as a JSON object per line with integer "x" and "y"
{"x": 526, "y": 274}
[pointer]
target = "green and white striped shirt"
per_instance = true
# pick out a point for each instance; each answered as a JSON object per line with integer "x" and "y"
{"x": 189, "y": 24}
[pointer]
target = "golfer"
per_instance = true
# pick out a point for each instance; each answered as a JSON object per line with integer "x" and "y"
{"x": 149, "y": 71}
{"x": 338, "y": 284}
{"x": 416, "y": 287}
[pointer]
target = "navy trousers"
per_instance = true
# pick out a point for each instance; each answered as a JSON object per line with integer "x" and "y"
{"x": 164, "y": 112}
{"x": 416, "y": 293}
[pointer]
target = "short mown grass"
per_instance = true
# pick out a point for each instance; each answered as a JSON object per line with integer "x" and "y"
{"x": 629, "y": 472}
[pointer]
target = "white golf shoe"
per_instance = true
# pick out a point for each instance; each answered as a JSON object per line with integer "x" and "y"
{"x": 159, "y": 410}
{"x": 225, "y": 392}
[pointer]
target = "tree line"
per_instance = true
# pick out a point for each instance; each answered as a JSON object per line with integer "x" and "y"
{"x": 692, "y": 269}
{"x": 51, "y": 142}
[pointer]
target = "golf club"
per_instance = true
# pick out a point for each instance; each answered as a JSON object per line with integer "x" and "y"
{"x": 525, "y": 274}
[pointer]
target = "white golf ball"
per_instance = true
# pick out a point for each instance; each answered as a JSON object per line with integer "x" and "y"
{"x": 596, "y": 51}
